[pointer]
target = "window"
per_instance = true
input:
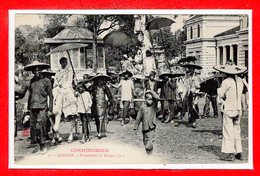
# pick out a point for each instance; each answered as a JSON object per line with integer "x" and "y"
{"x": 191, "y": 33}
{"x": 82, "y": 58}
{"x": 198, "y": 31}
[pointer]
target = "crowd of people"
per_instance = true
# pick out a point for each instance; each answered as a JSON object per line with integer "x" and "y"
{"x": 145, "y": 94}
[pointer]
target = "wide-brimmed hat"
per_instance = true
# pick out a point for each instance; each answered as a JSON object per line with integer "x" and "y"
{"x": 190, "y": 65}
{"x": 88, "y": 76}
{"x": 166, "y": 72}
{"x": 153, "y": 93}
{"x": 34, "y": 64}
{"x": 177, "y": 73}
{"x": 130, "y": 74}
{"x": 48, "y": 72}
{"x": 231, "y": 69}
{"x": 101, "y": 76}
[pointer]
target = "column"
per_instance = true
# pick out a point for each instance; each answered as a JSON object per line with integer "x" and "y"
{"x": 224, "y": 55}
{"x": 231, "y": 53}
{"x": 218, "y": 55}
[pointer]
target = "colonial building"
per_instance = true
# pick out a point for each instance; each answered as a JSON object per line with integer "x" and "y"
{"x": 214, "y": 39}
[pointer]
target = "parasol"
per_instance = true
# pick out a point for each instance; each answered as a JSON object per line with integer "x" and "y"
{"x": 187, "y": 59}
{"x": 190, "y": 65}
{"x": 158, "y": 23}
{"x": 66, "y": 47}
{"x": 118, "y": 39}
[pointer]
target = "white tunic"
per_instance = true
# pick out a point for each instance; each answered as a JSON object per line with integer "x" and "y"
{"x": 231, "y": 92}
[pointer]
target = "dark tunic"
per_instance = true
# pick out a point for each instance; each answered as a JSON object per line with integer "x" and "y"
{"x": 99, "y": 94}
{"x": 39, "y": 91}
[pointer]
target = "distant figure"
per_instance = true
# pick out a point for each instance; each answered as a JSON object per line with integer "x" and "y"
{"x": 149, "y": 63}
{"x": 127, "y": 93}
{"x": 211, "y": 96}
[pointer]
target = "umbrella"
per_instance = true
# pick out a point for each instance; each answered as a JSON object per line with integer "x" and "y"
{"x": 66, "y": 47}
{"x": 206, "y": 85}
{"x": 187, "y": 59}
{"x": 118, "y": 39}
{"x": 158, "y": 23}
{"x": 190, "y": 65}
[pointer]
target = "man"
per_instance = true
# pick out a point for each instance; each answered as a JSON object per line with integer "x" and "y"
{"x": 40, "y": 90}
{"x": 211, "y": 96}
{"x": 168, "y": 95}
{"x": 64, "y": 100}
{"x": 192, "y": 84}
{"x": 230, "y": 94}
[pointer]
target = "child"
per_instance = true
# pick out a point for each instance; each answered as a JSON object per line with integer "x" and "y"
{"x": 84, "y": 102}
{"x": 147, "y": 115}
{"x": 127, "y": 92}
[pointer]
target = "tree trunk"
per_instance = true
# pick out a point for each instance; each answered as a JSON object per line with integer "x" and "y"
{"x": 95, "y": 50}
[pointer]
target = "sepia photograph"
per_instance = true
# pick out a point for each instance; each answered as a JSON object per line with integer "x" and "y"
{"x": 130, "y": 89}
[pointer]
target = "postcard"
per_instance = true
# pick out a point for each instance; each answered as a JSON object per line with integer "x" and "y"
{"x": 130, "y": 89}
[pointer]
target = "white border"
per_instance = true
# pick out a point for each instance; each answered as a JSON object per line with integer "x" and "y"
{"x": 11, "y": 163}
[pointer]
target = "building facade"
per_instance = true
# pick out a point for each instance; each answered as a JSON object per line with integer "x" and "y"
{"x": 215, "y": 39}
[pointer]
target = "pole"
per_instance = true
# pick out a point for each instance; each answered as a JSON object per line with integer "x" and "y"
{"x": 74, "y": 75}
{"x": 167, "y": 61}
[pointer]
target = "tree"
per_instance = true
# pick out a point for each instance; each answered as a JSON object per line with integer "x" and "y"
{"x": 94, "y": 24}
{"x": 54, "y": 23}
{"x": 29, "y": 44}
{"x": 173, "y": 43}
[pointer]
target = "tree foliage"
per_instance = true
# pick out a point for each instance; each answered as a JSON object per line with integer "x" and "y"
{"x": 173, "y": 42}
{"x": 54, "y": 23}
{"x": 29, "y": 44}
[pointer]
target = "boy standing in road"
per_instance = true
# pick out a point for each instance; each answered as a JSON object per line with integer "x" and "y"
{"x": 147, "y": 115}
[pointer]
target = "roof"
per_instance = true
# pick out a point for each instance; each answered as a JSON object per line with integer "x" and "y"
{"x": 74, "y": 33}
{"x": 208, "y": 15}
{"x": 228, "y": 32}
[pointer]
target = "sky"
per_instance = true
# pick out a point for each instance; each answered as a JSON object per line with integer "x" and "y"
{"x": 34, "y": 20}
{"x": 29, "y": 19}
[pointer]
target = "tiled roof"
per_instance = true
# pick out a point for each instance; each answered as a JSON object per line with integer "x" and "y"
{"x": 229, "y": 32}
{"x": 75, "y": 33}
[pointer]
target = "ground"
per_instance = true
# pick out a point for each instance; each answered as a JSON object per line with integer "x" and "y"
{"x": 173, "y": 145}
